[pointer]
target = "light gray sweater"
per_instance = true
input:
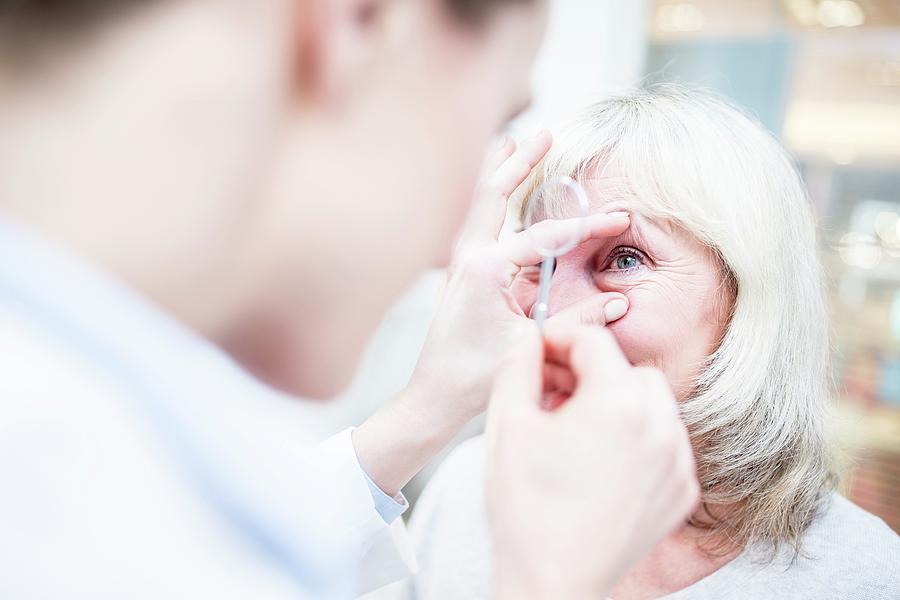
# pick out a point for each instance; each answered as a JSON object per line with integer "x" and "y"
{"x": 848, "y": 554}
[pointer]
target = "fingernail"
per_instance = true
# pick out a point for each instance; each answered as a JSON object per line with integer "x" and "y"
{"x": 615, "y": 309}
{"x": 502, "y": 141}
{"x": 620, "y": 213}
{"x": 539, "y": 130}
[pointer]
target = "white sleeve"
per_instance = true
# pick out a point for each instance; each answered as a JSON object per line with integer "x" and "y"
{"x": 378, "y": 538}
{"x": 450, "y": 533}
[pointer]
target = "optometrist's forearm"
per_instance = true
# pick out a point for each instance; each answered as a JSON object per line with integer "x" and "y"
{"x": 398, "y": 441}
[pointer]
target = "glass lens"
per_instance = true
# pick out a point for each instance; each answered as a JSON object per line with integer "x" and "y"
{"x": 555, "y": 216}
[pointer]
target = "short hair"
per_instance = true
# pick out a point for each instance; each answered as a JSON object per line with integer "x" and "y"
{"x": 758, "y": 414}
{"x": 54, "y": 12}
{"x": 478, "y": 11}
{"x": 23, "y": 23}
{"x": 28, "y": 25}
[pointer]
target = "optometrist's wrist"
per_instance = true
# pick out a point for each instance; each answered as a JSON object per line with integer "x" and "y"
{"x": 447, "y": 397}
{"x": 439, "y": 413}
{"x": 395, "y": 443}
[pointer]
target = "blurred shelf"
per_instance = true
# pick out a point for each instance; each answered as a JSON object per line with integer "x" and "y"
{"x": 861, "y": 428}
{"x": 870, "y": 439}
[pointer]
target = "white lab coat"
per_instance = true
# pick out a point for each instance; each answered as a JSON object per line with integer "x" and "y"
{"x": 138, "y": 461}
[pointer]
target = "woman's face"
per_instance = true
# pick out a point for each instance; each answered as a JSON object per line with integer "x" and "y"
{"x": 677, "y": 307}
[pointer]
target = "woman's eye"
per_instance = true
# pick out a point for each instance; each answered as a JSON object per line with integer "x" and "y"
{"x": 625, "y": 259}
{"x": 626, "y": 262}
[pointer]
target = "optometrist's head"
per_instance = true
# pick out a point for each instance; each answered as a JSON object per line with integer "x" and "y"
{"x": 275, "y": 172}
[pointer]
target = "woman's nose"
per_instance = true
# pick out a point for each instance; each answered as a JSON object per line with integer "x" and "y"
{"x": 575, "y": 296}
{"x": 568, "y": 287}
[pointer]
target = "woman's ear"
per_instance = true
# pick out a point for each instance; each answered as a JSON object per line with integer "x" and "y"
{"x": 337, "y": 40}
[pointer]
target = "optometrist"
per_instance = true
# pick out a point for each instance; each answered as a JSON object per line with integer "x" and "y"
{"x": 204, "y": 201}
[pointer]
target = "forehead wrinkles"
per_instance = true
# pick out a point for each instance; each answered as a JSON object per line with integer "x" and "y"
{"x": 611, "y": 193}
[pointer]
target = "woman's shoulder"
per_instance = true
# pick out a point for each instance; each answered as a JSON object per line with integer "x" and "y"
{"x": 850, "y": 552}
{"x": 457, "y": 482}
{"x": 844, "y": 528}
{"x": 468, "y": 455}
{"x": 449, "y": 529}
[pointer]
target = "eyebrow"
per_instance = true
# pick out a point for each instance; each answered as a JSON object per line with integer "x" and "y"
{"x": 636, "y": 232}
{"x": 617, "y": 203}
{"x": 663, "y": 225}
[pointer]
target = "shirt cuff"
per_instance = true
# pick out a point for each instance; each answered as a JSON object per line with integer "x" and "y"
{"x": 389, "y": 508}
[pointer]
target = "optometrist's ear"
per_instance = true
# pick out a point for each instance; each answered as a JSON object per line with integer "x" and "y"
{"x": 336, "y": 43}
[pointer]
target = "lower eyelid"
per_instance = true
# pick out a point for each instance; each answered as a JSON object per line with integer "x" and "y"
{"x": 610, "y": 264}
{"x": 623, "y": 272}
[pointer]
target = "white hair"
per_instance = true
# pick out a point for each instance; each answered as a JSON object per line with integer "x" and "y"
{"x": 759, "y": 410}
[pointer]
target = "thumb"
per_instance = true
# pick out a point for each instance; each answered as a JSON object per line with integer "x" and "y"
{"x": 518, "y": 383}
{"x": 597, "y": 309}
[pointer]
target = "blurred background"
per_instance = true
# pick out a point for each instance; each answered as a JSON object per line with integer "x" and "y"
{"x": 823, "y": 75}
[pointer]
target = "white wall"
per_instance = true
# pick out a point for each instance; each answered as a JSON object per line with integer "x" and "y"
{"x": 593, "y": 48}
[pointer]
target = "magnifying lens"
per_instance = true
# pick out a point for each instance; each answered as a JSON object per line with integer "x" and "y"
{"x": 555, "y": 219}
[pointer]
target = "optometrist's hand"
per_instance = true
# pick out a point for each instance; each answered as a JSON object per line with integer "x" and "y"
{"x": 481, "y": 312}
{"x": 478, "y": 319}
{"x": 578, "y": 494}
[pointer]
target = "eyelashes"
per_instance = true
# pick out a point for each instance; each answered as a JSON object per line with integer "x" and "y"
{"x": 624, "y": 260}
{"x": 621, "y": 261}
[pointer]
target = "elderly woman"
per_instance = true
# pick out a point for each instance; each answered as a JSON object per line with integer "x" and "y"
{"x": 724, "y": 295}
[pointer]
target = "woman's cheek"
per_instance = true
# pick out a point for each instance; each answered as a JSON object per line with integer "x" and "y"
{"x": 645, "y": 332}
{"x": 631, "y": 333}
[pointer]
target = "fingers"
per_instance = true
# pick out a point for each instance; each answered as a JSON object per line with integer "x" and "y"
{"x": 596, "y": 309}
{"x": 558, "y": 378}
{"x": 592, "y": 353}
{"x": 672, "y": 440}
{"x": 518, "y": 385}
{"x": 513, "y": 171}
{"x": 497, "y": 155}
{"x": 553, "y": 400}
{"x": 522, "y": 248}
{"x": 524, "y": 287}
{"x": 504, "y": 171}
